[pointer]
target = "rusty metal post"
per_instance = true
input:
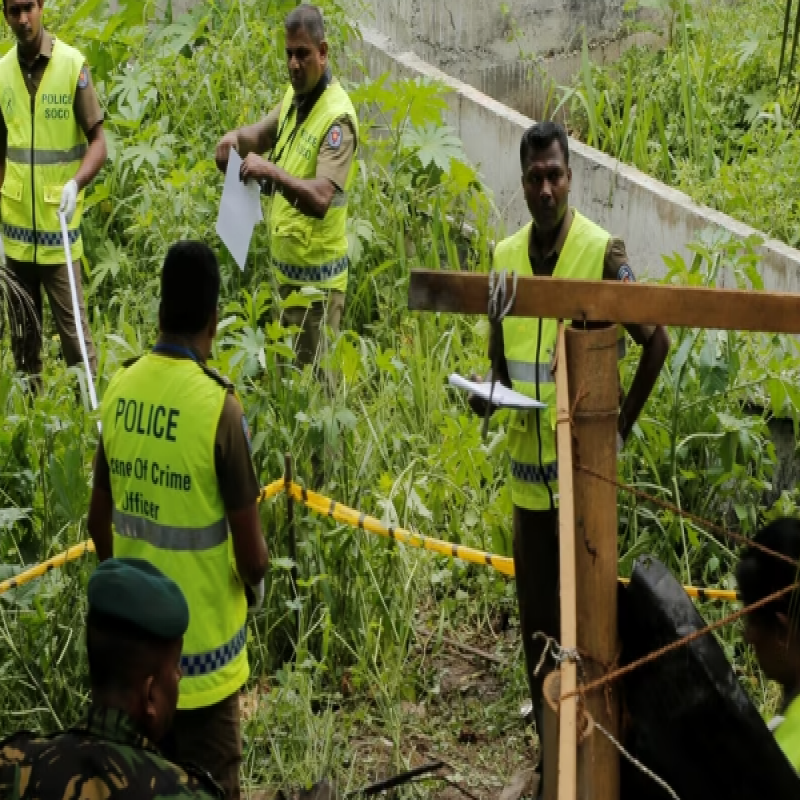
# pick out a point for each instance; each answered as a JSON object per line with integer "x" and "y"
{"x": 594, "y": 400}
{"x": 288, "y": 478}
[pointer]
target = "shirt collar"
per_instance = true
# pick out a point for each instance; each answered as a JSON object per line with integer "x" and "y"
{"x": 178, "y": 351}
{"x": 305, "y": 102}
{"x": 115, "y": 725}
{"x": 558, "y": 245}
{"x": 45, "y": 49}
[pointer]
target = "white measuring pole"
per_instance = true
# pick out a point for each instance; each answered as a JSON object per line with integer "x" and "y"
{"x": 76, "y": 309}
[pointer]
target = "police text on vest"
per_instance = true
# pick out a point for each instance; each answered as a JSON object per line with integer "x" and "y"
{"x": 147, "y": 419}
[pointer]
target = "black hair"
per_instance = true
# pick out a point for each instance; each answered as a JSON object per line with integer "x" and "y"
{"x": 36, "y": 2}
{"x": 307, "y": 18}
{"x": 759, "y": 574}
{"x": 539, "y": 137}
{"x": 121, "y": 655}
{"x": 189, "y": 288}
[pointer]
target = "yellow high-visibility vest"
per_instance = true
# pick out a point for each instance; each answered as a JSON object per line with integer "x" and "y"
{"x": 307, "y": 251}
{"x": 787, "y": 733}
{"x": 43, "y": 153}
{"x": 529, "y": 349}
{"x": 159, "y": 425}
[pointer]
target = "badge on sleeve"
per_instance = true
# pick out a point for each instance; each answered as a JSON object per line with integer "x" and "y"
{"x": 246, "y": 431}
{"x": 625, "y": 274}
{"x": 83, "y": 77}
{"x": 335, "y": 137}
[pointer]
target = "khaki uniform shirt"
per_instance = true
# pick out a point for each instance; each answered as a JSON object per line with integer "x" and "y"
{"x": 333, "y": 161}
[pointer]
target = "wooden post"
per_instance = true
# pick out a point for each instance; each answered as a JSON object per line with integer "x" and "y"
{"x": 611, "y": 301}
{"x": 567, "y": 728}
{"x": 585, "y": 744}
{"x": 288, "y": 478}
{"x": 594, "y": 401}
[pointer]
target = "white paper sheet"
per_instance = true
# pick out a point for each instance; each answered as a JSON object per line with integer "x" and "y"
{"x": 503, "y": 397}
{"x": 239, "y": 211}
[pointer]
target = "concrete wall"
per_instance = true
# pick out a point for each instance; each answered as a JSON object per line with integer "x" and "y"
{"x": 463, "y": 36}
{"x": 653, "y": 219}
{"x": 531, "y": 86}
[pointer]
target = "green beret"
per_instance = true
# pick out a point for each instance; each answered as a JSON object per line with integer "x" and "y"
{"x": 133, "y": 590}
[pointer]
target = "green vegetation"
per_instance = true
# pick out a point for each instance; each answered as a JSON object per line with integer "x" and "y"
{"x": 706, "y": 113}
{"x": 375, "y": 686}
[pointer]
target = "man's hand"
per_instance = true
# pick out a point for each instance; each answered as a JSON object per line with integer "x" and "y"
{"x": 477, "y": 404}
{"x": 69, "y": 200}
{"x": 256, "y": 168}
{"x": 255, "y": 596}
{"x": 228, "y": 141}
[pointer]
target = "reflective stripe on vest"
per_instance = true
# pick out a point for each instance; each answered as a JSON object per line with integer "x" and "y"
{"x": 195, "y": 665}
{"x": 527, "y": 371}
{"x": 309, "y": 251}
{"x": 22, "y": 155}
{"x": 42, "y": 238}
{"x": 304, "y": 275}
{"x": 169, "y": 537}
{"x": 529, "y": 350}
{"x": 533, "y": 473}
{"x": 44, "y": 150}
{"x": 168, "y": 510}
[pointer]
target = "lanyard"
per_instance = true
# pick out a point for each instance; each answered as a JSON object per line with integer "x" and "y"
{"x": 290, "y": 140}
{"x": 310, "y": 102}
{"x": 175, "y": 350}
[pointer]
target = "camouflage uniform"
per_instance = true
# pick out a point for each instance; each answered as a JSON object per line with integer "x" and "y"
{"x": 107, "y": 758}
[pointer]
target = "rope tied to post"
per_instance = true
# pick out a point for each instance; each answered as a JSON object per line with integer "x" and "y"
{"x": 499, "y": 307}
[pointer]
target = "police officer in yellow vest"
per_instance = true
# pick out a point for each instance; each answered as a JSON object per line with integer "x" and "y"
{"x": 561, "y": 243}
{"x": 772, "y": 630}
{"x": 51, "y": 147}
{"x": 173, "y": 475}
{"x": 312, "y": 137}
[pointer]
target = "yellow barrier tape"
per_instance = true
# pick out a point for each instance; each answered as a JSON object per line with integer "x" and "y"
{"x": 76, "y": 551}
{"x": 272, "y": 490}
{"x": 701, "y": 593}
{"x": 324, "y": 506}
{"x": 358, "y": 519}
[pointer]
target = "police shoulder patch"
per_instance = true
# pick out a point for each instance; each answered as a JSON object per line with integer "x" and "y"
{"x": 625, "y": 274}
{"x": 246, "y": 431}
{"x": 334, "y": 137}
{"x": 83, "y": 77}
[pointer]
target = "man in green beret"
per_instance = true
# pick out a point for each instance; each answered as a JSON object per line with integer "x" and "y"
{"x": 134, "y": 635}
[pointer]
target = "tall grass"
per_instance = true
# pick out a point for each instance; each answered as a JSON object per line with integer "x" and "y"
{"x": 397, "y": 442}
